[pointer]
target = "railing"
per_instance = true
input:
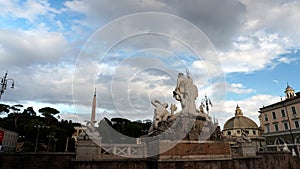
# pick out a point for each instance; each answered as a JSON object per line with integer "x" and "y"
{"x": 87, "y": 150}
{"x": 126, "y": 150}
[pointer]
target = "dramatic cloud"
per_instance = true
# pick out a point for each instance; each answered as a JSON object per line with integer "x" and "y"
{"x": 218, "y": 19}
{"x": 40, "y": 43}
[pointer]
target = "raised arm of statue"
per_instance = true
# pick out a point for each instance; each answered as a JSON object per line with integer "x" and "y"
{"x": 156, "y": 103}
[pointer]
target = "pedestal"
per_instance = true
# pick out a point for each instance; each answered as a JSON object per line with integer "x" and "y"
{"x": 164, "y": 149}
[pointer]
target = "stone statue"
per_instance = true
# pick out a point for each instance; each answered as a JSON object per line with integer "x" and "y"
{"x": 285, "y": 148}
{"x": 82, "y": 136}
{"x": 244, "y": 137}
{"x": 201, "y": 110}
{"x": 186, "y": 92}
{"x": 173, "y": 108}
{"x": 92, "y": 132}
{"x": 173, "y": 116}
{"x": 187, "y": 123}
{"x": 160, "y": 114}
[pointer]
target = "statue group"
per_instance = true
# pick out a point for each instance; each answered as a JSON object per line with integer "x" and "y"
{"x": 189, "y": 123}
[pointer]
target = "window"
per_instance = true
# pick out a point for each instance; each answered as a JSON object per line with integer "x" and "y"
{"x": 276, "y": 127}
{"x": 238, "y": 132}
{"x": 286, "y": 125}
{"x": 296, "y": 123}
{"x": 282, "y": 113}
{"x": 274, "y": 115}
{"x": 266, "y": 117}
{"x": 254, "y": 132}
{"x": 279, "y": 141}
{"x": 267, "y": 129}
{"x": 228, "y": 133}
{"x": 297, "y": 140}
{"x": 294, "y": 110}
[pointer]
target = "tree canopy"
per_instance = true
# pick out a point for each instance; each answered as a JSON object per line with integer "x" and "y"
{"x": 53, "y": 134}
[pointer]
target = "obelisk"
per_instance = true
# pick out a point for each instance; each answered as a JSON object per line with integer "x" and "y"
{"x": 93, "y": 114}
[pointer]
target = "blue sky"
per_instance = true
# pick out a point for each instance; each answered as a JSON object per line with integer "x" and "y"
{"x": 52, "y": 51}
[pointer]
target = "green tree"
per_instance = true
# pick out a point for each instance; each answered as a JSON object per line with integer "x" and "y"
{"x": 4, "y": 108}
{"x": 16, "y": 109}
{"x": 30, "y": 111}
{"x": 48, "y": 113}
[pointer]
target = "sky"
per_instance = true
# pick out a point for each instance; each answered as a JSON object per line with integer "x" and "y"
{"x": 237, "y": 52}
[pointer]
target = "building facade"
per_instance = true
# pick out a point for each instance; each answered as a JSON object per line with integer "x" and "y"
{"x": 8, "y": 140}
{"x": 280, "y": 121}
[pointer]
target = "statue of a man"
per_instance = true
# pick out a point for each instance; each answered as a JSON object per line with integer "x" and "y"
{"x": 186, "y": 92}
{"x": 179, "y": 92}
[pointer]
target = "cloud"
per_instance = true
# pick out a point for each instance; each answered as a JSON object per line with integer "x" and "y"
{"x": 25, "y": 48}
{"x": 218, "y": 19}
{"x": 39, "y": 51}
{"x": 41, "y": 83}
{"x": 238, "y": 88}
{"x": 106, "y": 10}
{"x": 287, "y": 60}
{"x": 273, "y": 16}
{"x": 255, "y": 52}
{"x": 30, "y": 10}
{"x": 235, "y": 28}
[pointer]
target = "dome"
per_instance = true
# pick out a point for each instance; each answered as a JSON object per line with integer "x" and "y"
{"x": 239, "y": 121}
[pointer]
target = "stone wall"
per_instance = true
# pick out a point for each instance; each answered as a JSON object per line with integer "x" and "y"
{"x": 271, "y": 160}
{"x": 266, "y": 160}
{"x": 286, "y": 162}
{"x": 113, "y": 164}
{"x": 279, "y": 160}
{"x": 36, "y": 160}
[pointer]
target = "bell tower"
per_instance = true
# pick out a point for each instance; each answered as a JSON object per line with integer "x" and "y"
{"x": 289, "y": 92}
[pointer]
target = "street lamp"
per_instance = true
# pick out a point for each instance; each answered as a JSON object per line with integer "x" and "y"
{"x": 3, "y": 84}
{"x": 206, "y": 102}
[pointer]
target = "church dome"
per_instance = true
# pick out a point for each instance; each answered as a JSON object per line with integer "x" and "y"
{"x": 239, "y": 121}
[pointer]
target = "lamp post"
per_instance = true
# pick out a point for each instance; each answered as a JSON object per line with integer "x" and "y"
{"x": 206, "y": 102}
{"x": 3, "y": 84}
{"x": 67, "y": 143}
